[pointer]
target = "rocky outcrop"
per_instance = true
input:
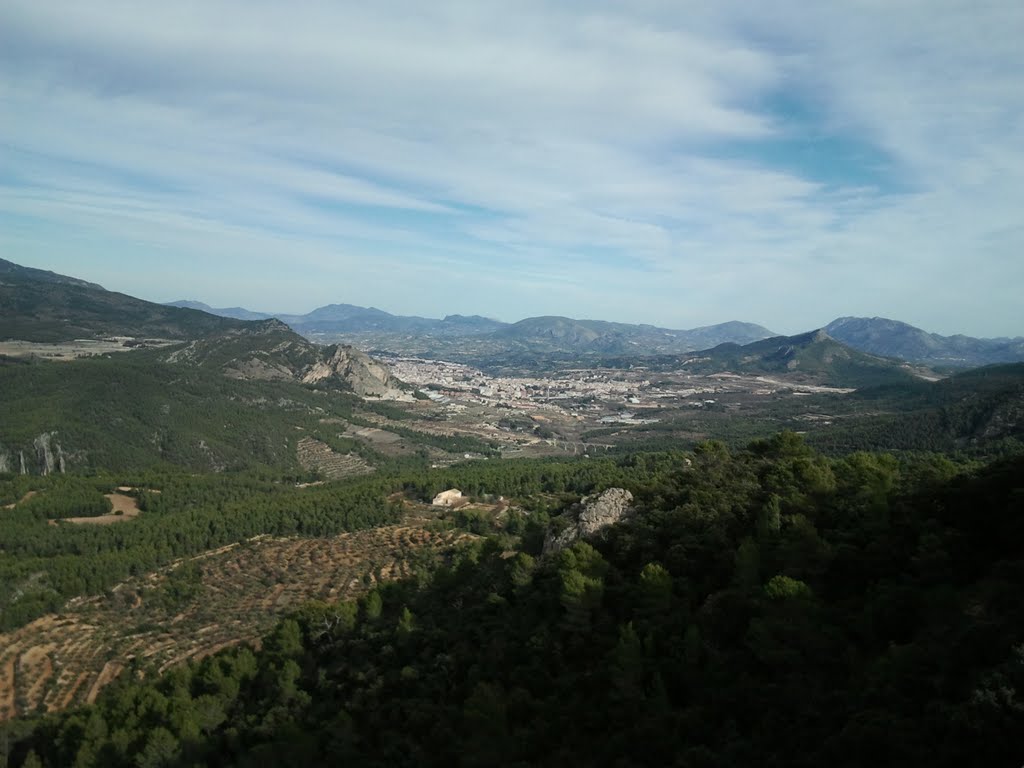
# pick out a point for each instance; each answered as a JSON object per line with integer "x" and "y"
{"x": 592, "y": 515}
{"x": 269, "y": 350}
{"x": 366, "y": 376}
{"x": 49, "y": 455}
{"x": 450, "y": 498}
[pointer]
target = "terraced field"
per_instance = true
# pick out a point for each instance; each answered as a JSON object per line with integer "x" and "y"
{"x": 65, "y": 659}
{"x": 314, "y": 454}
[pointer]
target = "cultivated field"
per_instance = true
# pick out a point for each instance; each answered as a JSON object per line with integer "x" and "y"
{"x": 65, "y": 659}
{"x": 71, "y": 350}
{"x": 314, "y": 454}
{"x": 123, "y": 508}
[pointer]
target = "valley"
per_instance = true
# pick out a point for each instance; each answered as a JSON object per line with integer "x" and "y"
{"x": 511, "y": 385}
{"x": 237, "y": 519}
{"x": 564, "y": 411}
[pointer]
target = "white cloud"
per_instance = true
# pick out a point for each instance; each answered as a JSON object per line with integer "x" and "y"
{"x": 383, "y": 151}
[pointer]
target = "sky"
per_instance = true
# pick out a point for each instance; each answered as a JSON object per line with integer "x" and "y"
{"x": 675, "y": 163}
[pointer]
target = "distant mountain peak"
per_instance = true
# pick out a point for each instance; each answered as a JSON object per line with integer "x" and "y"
{"x": 893, "y": 338}
{"x": 813, "y": 357}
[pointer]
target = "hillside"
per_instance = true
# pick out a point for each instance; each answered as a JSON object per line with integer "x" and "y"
{"x": 45, "y": 307}
{"x": 814, "y": 357}
{"x": 244, "y": 397}
{"x": 135, "y": 412}
{"x": 892, "y": 338}
{"x": 759, "y": 607}
{"x": 981, "y": 410}
{"x": 268, "y": 350}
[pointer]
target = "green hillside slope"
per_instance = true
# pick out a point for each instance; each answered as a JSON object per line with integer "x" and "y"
{"x": 45, "y": 307}
{"x": 767, "y": 607}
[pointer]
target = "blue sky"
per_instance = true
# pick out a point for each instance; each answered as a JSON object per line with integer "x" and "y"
{"x": 673, "y": 163}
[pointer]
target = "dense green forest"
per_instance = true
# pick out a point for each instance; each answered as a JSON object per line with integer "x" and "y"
{"x": 764, "y": 606}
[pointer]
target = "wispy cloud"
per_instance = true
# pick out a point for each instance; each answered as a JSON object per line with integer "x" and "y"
{"x": 668, "y": 164}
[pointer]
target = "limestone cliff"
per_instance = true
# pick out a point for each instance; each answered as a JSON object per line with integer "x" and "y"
{"x": 270, "y": 351}
{"x": 366, "y": 376}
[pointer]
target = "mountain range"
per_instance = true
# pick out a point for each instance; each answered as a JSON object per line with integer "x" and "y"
{"x": 370, "y": 326}
{"x": 221, "y": 392}
{"x": 476, "y": 338}
{"x": 41, "y": 306}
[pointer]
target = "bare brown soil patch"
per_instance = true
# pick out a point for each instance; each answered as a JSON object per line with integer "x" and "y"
{"x": 125, "y": 505}
{"x": 70, "y": 350}
{"x": 36, "y": 665}
{"x": 123, "y": 508}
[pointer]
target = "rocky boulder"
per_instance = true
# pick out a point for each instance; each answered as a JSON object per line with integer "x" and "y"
{"x": 592, "y": 515}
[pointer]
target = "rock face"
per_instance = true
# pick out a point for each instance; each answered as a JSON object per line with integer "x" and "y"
{"x": 49, "y": 455}
{"x": 366, "y": 376}
{"x": 269, "y": 350}
{"x": 448, "y": 498}
{"x": 591, "y": 515}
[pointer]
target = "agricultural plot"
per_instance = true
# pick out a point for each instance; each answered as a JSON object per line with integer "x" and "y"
{"x": 66, "y": 659}
{"x": 384, "y": 442}
{"x": 123, "y": 508}
{"x": 314, "y": 454}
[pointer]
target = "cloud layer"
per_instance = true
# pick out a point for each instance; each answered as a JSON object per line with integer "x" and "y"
{"x": 674, "y": 165}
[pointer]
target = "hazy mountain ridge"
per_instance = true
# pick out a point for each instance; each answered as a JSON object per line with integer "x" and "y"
{"x": 554, "y": 333}
{"x": 46, "y": 306}
{"x": 375, "y": 327}
{"x": 558, "y": 334}
{"x": 893, "y": 338}
{"x": 237, "y": 313}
